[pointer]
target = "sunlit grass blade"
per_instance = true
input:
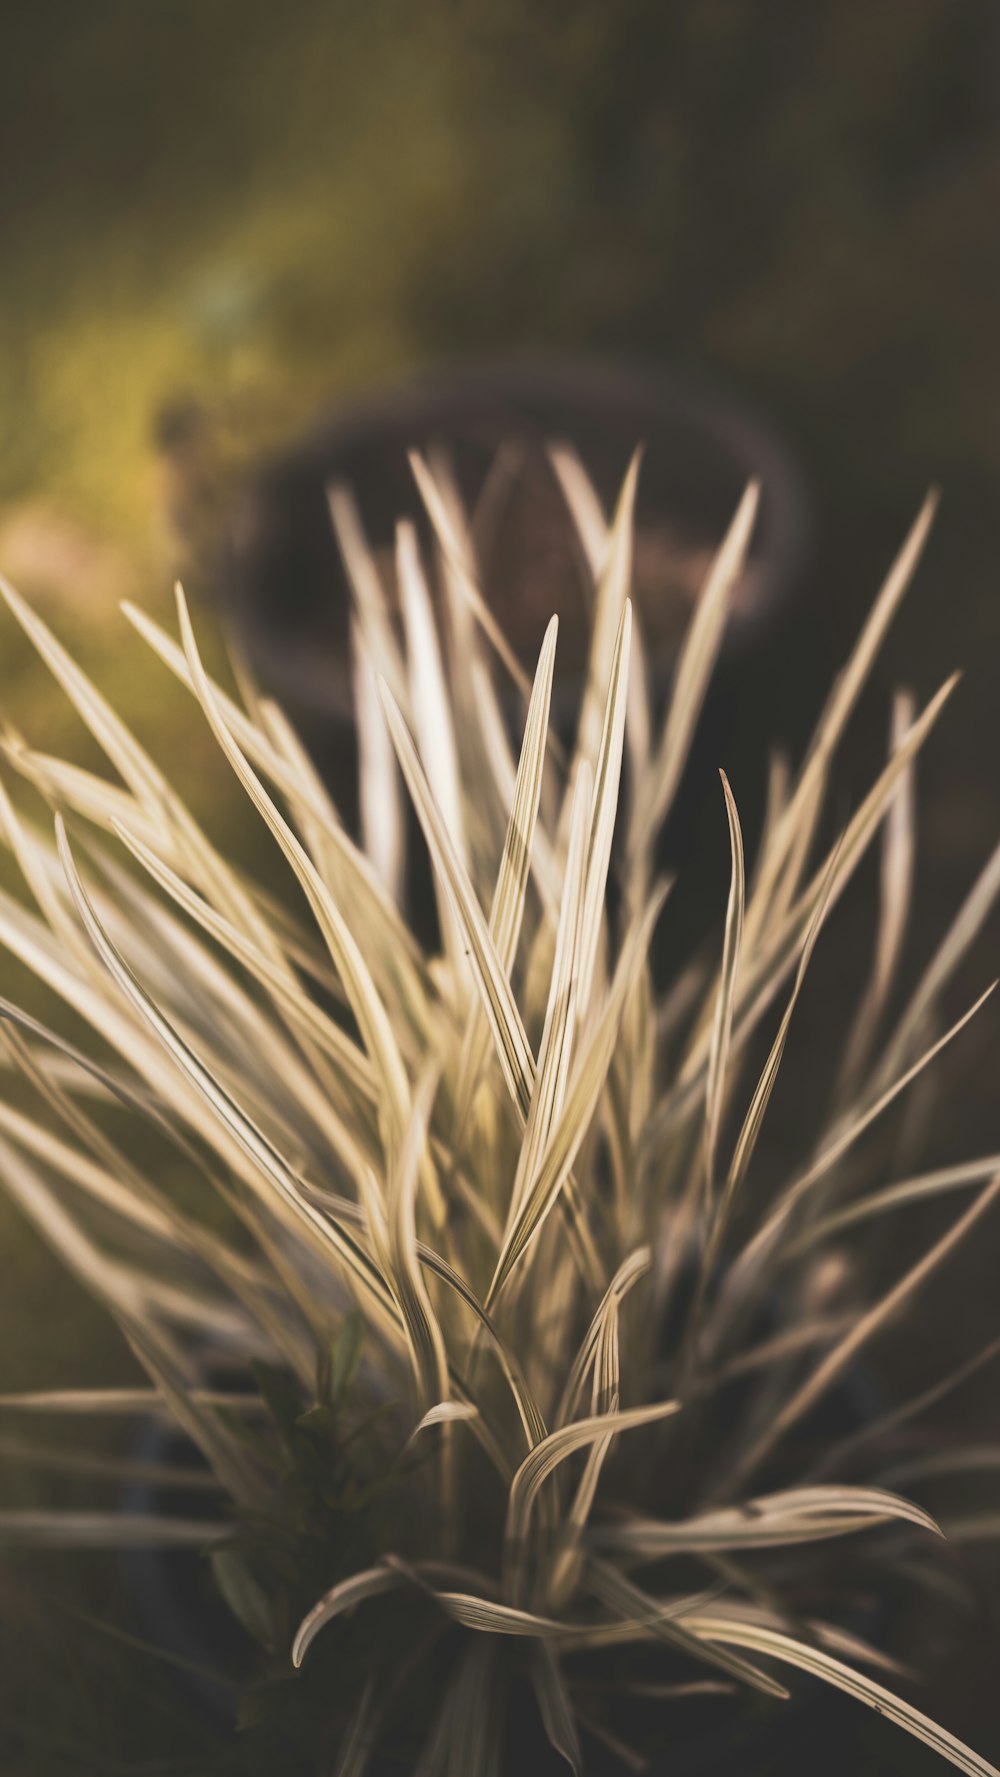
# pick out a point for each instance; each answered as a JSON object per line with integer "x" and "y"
{"x": 694, "y": 669}
{"x": 507, "y": 911}
{"x": 380, "y": 802}
{"x": 583, "y": 504}
{"x": 585, "y": 1088}
{"x": 123, "y": 750}
{"x": 722, "y": 1023}
{"x": 351, "y": 1064}
{"x": 366, "y": 586}
{"x": 609, "y": 607}
{"x": 607, "y": 778}
{"x": 896, "y": 883}
{"x": 437, "y": 511}
{"x": 357, "y": 881}
{"x": 555, "y": 1050}
{"x": 772, "y": 959}
{"x": 504, "y": 1018}
{"x": 747, "y": 1139}
{"x": 312, "y": 1226}
{"x": 421, "y": 1323}
{"x": 379, "y": 1037}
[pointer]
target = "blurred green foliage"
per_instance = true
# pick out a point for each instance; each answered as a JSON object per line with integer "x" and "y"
{"x": 260, "y": 206}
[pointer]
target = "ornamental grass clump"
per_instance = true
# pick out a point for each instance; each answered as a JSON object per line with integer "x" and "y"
{"x": 503, "y": 1345}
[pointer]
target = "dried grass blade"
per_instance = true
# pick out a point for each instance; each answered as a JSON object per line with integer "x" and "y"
{"x": 121, "y": 747}
{"x": 635, "y": 1606}
{"x": 556, "y": 1046}
{"x": 836, "y": 1361}
{"x": 800, "y": 1514}
{"x": 849, "y": 1135}
{"x": 555, "y": 1707}
{"x": 351, "y": 1063}
{"x": 343, "y": 1597}
{"x": 512, "y": 1044}
{"x": 722, "y": 1023}
{"x": 896, "y": 884}
{"x": 804, "y": 803}
{"x": 609, "y": 607}
{"x": 37, "y": 1528}
{"x": 912, "y": 1190}
{"x": 546, "y": 1457}
{"x": 422, "y": 1328}
{"x": 373, "y": 1022}
{"x": 115, "y": 1401}
{"x": 451, "y": 545}
{"x": 963, "y": 931}
{"x": 369, "y": 597}
{"x": 628, "y": 1274}
{"x": 583, "y": 503}
{"x": 607, "y": 780}
{"x": 694, "y": 668}
{"x": 507, "y": 911}
{"x": 759, "y": 1639}
{"x": 382, "y": 820}
{"x": 313, "y": 1227}
{"x": 746, "y": 1141}
{"x": 585, "y": 1088}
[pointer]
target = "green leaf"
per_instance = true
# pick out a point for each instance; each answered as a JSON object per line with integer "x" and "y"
{"x": 245, "y": 1597}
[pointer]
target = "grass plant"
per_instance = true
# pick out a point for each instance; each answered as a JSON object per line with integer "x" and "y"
{"x": 530, "y": 1332}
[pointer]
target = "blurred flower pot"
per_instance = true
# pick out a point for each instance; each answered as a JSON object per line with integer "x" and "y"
{"x": 284, "y": 585}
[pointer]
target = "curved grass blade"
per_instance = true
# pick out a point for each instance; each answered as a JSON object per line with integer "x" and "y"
{"x": 780, "y": 1646}
{"x": 801, "y": 1514}
{"x": 836, "y": 1361}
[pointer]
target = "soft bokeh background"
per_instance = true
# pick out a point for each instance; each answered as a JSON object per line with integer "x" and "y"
{"x": 220, "y": 217}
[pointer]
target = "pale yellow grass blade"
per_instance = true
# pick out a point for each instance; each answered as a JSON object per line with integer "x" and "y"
{"x": 555, "y": 1052}
{"x": 694, "y": 669}
{"x": 380, "y": 801}
{"x": 512, "y": 1045}
{"x": 722, "y": 1024}
{"x": 800, "y": 814}
{"x": 607, "y": 779}
{"x": 609, "y": 606}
